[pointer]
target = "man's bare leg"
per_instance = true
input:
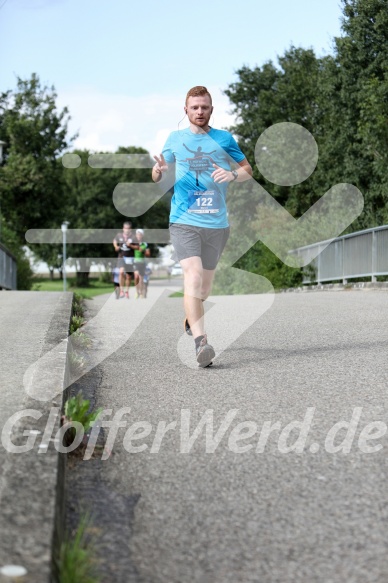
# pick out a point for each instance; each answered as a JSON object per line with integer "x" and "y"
{"x": 197, "y": 286}
{"x": 137, "y": 283}
{"x": 122, "y": 280}
{"x": 141, "y": 286}
{"x": 127, "y": 283}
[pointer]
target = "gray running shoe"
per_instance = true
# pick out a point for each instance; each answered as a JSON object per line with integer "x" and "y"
{"x": 205, "y": 353}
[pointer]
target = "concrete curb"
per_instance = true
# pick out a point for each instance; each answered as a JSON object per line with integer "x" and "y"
{"x": 32, "y": 501}
{"x": 358, "y": 285}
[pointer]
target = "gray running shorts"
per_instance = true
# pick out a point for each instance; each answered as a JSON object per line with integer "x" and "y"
{"x": 189, "y": 241}
{"x": 127, "y": 265}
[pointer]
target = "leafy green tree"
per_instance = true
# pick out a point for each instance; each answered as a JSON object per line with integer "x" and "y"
{"x": 31, "y": 180}
{"x": 342, "y": 100}
{"x": 362, "y": 55}
{"x": 31, "y": 185}
{"x": 263, "y": 97}
{"x": 51, "y": 254}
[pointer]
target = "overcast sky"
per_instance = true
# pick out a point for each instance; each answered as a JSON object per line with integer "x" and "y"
{"x": 123, "y": 68}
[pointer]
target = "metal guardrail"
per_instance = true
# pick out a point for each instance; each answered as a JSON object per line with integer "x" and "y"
{"x": 359, "y": 254}
{"x": 8, "y": 269}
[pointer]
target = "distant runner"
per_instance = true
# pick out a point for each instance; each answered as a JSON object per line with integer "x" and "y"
{"x": 125, "y": 244}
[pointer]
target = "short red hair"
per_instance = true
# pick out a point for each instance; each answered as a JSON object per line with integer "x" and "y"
{"x": 198, "y": 91}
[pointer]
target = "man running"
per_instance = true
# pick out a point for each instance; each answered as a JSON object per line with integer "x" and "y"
{"x": 199, "y": 227}
{"x": 125, "y": 245}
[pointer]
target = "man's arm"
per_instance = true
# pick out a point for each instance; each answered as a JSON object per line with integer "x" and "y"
{"x": 115, "y": 245}
{"x": 241, "y": 174}
{"x": 246, "y": 171}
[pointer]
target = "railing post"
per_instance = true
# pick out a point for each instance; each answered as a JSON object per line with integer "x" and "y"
{"x": 344, "y": 280}
{"x": 374, "y": 257}
{"x": 319, "y": 266}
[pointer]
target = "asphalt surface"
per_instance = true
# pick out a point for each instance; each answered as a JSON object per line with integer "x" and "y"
{"x": 248, "y": 511}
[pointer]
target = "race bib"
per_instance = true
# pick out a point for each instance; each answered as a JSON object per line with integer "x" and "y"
{"x": 203, "y": 202}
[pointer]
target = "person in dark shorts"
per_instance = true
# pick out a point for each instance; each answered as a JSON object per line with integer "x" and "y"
{"x": 199, "y": 226}
{"x": 125, "y": 244}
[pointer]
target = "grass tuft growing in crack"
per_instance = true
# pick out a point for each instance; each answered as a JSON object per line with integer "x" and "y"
{"x": 76, "y": 323}
{"x": 77, "y": 409}
{"x": 80, "y": 339}
{"x": 77, "y": 557}
{"x": 78, "y": 305}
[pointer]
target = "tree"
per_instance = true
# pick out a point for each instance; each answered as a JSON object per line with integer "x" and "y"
{"x": 31, "y": 180}
{"x": 31, "y": 184}
{"x": 342, "y": 100}
{"x": 362, "y": 55}
{"x": 263, "y": 97}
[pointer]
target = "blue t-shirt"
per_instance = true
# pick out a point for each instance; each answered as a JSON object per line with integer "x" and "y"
{"x": 197, "y": 199}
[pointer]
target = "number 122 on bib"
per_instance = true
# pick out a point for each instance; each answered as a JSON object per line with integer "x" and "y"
{"x": 203, "y": 201}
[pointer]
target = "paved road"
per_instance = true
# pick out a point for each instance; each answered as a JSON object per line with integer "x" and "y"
{"x": 254, "y": 516}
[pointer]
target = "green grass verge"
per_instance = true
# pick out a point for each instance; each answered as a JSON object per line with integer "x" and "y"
{"x": 95, "y": 288}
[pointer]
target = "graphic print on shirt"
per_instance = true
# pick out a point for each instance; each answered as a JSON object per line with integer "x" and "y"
{"x": 201, "y": 201}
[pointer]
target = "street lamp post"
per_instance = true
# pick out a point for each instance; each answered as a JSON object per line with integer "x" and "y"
{"x": 64, "y": 229}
